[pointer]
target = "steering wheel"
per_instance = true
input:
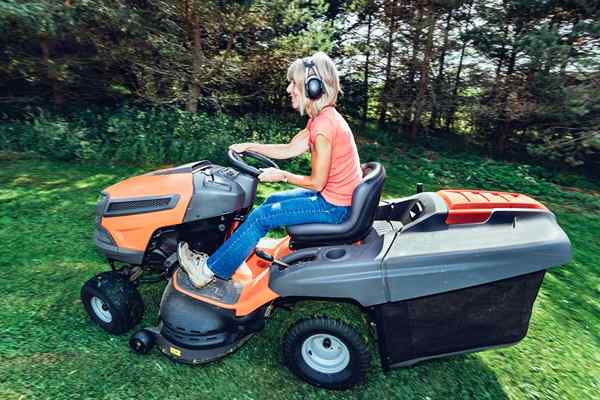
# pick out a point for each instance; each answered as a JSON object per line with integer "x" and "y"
{"x": 237, "y": 160}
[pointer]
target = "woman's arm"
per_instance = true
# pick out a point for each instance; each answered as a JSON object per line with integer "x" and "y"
{"x": 320, "y": 165}
{"x": 297, "y": 146}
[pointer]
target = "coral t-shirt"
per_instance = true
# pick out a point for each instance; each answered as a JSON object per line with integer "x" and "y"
{"x": 345, "y": 173}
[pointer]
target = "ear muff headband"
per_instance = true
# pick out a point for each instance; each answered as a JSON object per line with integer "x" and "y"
{"x": 313, "y": 85}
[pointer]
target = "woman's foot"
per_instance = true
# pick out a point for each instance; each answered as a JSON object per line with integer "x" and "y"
{"x": 195, "y": 265}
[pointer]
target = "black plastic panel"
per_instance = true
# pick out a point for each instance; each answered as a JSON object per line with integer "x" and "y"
{"x": 478, "y": 317}
{"x": 215, "y": 194}
{"x": 140, "y": 205}
{"x": 132, "y": 205}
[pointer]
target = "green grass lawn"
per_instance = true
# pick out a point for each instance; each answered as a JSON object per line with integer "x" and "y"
{"x": 50, "y": 349}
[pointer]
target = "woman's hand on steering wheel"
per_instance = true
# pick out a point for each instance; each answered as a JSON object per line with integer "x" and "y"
{"x": 237, "y": 160}
{"x": 240, "y": 147}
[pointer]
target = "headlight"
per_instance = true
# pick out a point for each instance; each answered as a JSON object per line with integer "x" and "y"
{"x": 101, "y": 206}
{"x": 104, "y": 236}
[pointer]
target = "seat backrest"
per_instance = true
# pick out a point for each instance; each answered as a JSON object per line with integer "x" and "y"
{"x": 365, "y": 200}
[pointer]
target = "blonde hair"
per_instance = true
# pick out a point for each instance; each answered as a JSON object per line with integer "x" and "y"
{"x": 328, "y": 73}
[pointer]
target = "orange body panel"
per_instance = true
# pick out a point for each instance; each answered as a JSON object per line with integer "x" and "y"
{"x": 254, "y": 276}
{"x": 134, "y": 231}
{"x": 474, "y": 206}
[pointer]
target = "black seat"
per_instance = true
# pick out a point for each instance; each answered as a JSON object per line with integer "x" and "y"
{"x": 365, "y": 200}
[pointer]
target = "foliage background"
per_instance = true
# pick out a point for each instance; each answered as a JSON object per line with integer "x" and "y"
{"x": 517, "y": 79}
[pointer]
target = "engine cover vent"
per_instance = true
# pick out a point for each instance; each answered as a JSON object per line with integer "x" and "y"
{"x": 139, "y": 205}
{"x": 130, "y": 205}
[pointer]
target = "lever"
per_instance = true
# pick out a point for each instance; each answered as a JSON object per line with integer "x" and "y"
{"x": 267, "y": 257}
{"x": 264, "y": 255}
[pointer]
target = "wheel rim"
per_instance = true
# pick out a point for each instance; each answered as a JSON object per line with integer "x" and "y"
{"x": 325, "y": 353}
{"x": 101, "y": 310}
{"x": 138, "y": 345}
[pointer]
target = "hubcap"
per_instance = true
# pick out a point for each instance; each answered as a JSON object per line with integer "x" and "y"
{"x": 101, "y": 309}
{"x": 325, "y": 353}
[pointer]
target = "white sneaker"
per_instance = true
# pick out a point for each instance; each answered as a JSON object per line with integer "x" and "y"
{"x": 195, "y": 265}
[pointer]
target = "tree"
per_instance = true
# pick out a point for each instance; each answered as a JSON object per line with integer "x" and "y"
{"x": 196, "y": 48}
{"x": 529, "y": 48}
{"x": 390, "y": 19}
{"x": 466, "y": 23}
{"x": 424, "y": 75}
{"x": 33, "y": 30}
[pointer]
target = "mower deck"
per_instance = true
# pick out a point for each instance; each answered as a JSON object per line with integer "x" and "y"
{"x": 194, "y": 356}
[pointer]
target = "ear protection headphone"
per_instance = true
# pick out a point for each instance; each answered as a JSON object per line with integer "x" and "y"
{"x": 313, "y": 85}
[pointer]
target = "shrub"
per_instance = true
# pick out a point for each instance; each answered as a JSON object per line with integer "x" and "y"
{"x": 54, "y": 137}
{"x": 139, "y": 135}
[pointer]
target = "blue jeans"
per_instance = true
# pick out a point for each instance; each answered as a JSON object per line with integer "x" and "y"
{"x": 292, "y": 207}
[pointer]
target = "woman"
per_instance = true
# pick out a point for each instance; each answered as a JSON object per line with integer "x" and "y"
{"x": 323, "y": 197}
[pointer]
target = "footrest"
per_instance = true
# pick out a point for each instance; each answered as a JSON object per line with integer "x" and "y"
{"x": 226, "y": 292}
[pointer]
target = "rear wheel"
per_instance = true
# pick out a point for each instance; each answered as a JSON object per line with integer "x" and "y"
{"x": 326, "y": 353}
{"x": 113, "y": 302}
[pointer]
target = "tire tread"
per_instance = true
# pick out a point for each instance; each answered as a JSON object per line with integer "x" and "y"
{"x": 360, "y": 353}
{"x": 120, "y": 294}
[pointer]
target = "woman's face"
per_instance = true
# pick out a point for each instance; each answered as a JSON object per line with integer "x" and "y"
{"x": 295, "y": 94}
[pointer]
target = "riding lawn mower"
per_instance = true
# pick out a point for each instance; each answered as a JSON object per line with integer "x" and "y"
{"x": 436, "y": 273}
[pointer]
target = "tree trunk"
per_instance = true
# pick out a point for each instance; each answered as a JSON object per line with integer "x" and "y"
{"x": 453, "y": 100}
{"x": 51, "y": 71}
{"x": 413, "y": 67}
{"x": 502, "y": 59}
{"x": 384, "y": 98}
{"x": 366, "y": 76}
{"x": 51, "y": 68}
{"x": 192, "y": 101}
{"x": 452, "y": 108}
{"x": 439, "y": 78}
{"x": 424, "y": 78}
{"x": 194, "y": 93}
{"x": 505, "y": 128}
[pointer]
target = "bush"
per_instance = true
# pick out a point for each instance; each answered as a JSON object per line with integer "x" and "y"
{"x": 50, "y": 136}
{"x": 138, "y": 135}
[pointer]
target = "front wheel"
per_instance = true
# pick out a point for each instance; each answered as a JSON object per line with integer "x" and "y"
{"x": 326, "y": 353}
{"x": 142, "y": 342}
{"x": 113, "y": 302}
